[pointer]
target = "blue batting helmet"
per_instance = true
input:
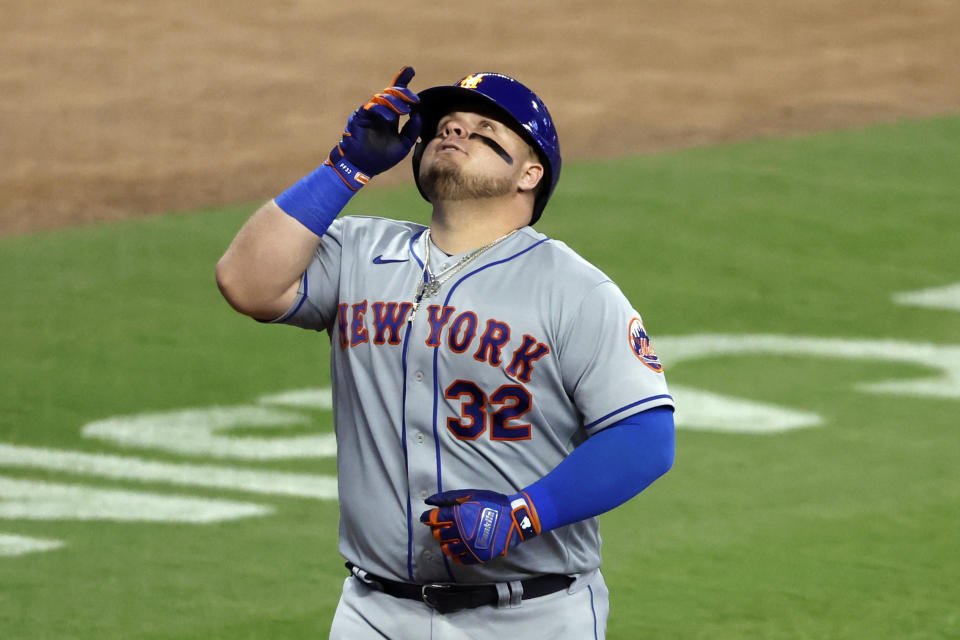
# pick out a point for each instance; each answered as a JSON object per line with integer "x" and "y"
{"x": 519, "y": 107}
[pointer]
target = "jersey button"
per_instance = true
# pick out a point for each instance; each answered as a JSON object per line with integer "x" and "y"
{"x": 419, "y": 439}
{"x": 418, "y": 376}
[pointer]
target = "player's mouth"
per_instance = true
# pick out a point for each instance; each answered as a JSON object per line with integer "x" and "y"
{"x": 450, "y": 146}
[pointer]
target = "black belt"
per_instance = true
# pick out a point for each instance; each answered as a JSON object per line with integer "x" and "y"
{"x": 447, "y": 597}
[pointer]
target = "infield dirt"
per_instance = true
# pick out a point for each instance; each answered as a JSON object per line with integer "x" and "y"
{"x": 111, "y": 110}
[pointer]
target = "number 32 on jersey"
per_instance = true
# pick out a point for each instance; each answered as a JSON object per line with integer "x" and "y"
{"x": 500, "y": 411}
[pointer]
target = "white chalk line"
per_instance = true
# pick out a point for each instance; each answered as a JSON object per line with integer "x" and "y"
{"x": 946, "y": 298}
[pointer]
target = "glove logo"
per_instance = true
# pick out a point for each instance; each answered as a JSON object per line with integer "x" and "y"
{"x": 640, "y": 343}
{"x": 471, "y": 81}
{"x": 488, "y": 524}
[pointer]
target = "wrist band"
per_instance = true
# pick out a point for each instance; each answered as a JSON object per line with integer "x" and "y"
{"x": 319, "y": 197}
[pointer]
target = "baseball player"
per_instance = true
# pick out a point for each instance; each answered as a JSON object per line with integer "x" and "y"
{"x": 493, "y": 391}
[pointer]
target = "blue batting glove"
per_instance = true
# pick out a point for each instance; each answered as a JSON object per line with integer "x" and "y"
{"x": 371, "y": 143}
{"x": 477, "y": 526}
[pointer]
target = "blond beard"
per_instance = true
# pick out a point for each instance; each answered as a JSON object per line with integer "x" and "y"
{"x": 450, "y": 183}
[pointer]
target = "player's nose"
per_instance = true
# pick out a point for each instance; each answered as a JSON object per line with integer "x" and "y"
{"x": 454, "y": 128}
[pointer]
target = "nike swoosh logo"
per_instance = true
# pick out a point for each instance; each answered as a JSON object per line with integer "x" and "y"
{"x": 379, "y": 260}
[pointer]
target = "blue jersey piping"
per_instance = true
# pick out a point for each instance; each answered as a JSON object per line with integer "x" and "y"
{"x": 292, "y": 312}
{"x": 593, "y": 610}
{"x": 414, "y": 253}
{"x": 629, "y": 406}
{"x": 406, "y": 459}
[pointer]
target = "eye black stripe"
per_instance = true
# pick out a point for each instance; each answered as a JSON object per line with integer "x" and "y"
{"x": 500, "y": 151}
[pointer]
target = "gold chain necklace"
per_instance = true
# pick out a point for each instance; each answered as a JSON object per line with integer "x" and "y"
{"x": 430, "y": 283}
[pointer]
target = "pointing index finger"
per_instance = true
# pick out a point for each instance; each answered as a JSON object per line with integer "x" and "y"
{"x": 401, "y": 79}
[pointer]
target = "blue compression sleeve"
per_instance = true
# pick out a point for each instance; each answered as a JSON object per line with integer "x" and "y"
{"x": 606, "y": 470}
{"x": 317, "y": 199}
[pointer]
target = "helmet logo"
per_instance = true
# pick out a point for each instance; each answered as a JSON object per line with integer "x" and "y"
{"x": 471, "y": 81}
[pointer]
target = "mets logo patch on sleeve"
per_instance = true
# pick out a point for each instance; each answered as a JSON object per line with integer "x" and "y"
{"x": 640, "y": 343}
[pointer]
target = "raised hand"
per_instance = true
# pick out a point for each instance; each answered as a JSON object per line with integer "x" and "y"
{"x": 372, "y": 141}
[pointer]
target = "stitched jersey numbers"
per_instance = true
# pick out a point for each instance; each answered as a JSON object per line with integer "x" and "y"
{"x": 514, "y": 401}
{"x": 473, "y": 410}
{"x": 498, "y": 411}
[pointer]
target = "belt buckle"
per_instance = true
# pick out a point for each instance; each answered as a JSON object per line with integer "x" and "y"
{"x": 430, "y": 594}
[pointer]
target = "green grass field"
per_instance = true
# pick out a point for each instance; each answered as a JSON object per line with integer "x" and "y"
{"x": 848, "y": 529}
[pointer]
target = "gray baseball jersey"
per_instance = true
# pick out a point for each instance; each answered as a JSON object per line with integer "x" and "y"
{"x": 521, "y": 356}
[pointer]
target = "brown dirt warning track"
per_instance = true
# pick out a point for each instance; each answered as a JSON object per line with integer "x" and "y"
{"x": 110, "y": 109}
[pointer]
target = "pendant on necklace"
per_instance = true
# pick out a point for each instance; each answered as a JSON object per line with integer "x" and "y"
{"x": 426, "y": 289}
{"x": 431, "y": 288}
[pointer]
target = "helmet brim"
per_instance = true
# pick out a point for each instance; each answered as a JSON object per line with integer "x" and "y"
{"x": 437, "y": 102}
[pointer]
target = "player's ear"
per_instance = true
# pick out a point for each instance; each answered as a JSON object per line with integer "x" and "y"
{"x": 530, "y": 176}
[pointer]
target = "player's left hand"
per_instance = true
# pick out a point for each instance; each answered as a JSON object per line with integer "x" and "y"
{"x": 474, "y": 526}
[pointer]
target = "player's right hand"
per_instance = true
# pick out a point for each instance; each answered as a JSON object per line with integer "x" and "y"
{"x": 372, "y": 142}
